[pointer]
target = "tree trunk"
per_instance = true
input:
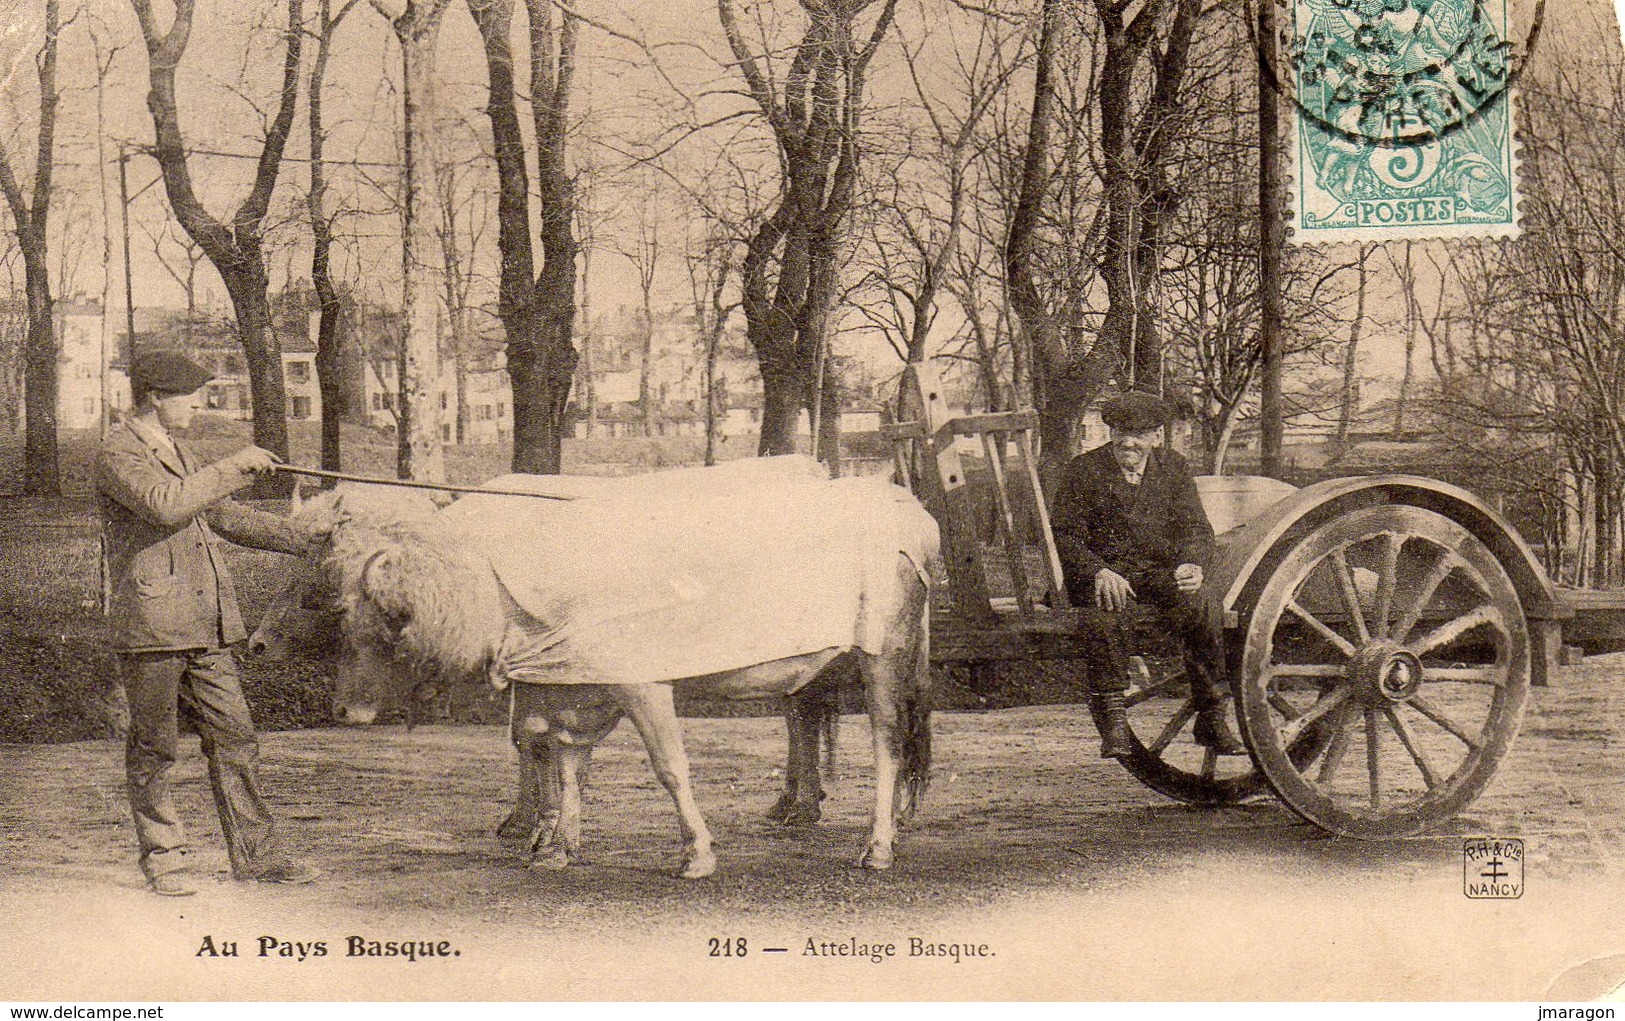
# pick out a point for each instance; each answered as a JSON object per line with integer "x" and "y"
{"x": 815, "y": 121}
{"x": 419, "y": 451}
{"x": 30, "y": 214}
{"x": 329, "y": 366}
{"x": 1351, "y": 388}
{"x": 262, "y": 353}
{"x": 41, "y": 475}
{"x": 587, "y": 388}
{"x": 537, "y": 312}
{"x": 646, "y": 407}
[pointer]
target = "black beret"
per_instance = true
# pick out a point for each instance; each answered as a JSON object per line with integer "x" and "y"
{"x": 167, "y": 372}
{"x": 1134, "y": 412}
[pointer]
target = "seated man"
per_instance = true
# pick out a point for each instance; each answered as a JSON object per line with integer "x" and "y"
{"x": 1130, "y": 529}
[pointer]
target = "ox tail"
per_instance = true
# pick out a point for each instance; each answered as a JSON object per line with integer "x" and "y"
{"x": 914, "y": 724}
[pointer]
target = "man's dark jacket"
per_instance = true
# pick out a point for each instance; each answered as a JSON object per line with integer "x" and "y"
{"x": 1101, "y": 521}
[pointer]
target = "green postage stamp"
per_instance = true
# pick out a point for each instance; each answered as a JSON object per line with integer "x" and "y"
{"x": 1403, "y": 125}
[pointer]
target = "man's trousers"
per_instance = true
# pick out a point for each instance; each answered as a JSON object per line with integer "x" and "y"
{"x": 207, "y": 683}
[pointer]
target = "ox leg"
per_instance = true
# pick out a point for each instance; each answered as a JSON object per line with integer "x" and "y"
{"x": 655, "y": 716}
{"x": 527, "y": 807}
{"x": 897, "y": 684}
{"x": 882, "y": 700}
{"x": 572, "y": 765}
{"x": 546, "y": 843}
{"x": 801, "y": 802}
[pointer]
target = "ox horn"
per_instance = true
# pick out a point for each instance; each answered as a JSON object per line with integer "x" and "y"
{"x": 364, "y": 582}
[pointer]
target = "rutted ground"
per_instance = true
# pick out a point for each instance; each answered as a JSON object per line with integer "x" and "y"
{"x": 1082, "y": 883}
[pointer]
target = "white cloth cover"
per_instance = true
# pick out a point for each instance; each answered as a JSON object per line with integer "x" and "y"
{"x": 694, "y": 571}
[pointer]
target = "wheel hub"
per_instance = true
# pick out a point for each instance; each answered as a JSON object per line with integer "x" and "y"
{"x": 1385, "y": 672}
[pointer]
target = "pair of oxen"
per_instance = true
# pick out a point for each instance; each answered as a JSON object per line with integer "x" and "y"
{"x": 420, "y": 598}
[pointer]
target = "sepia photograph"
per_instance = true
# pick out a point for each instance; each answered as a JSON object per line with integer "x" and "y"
{"x": 808, "y": 501}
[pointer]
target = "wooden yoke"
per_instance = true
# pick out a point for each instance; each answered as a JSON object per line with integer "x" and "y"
{"x": 989, "y": 571}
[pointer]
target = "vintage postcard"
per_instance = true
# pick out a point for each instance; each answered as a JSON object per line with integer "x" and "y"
{"x": 1080, "y": 684}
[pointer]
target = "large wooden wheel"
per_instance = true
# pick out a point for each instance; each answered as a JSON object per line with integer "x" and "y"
{"x": 1394, "y": 637}
{"x": 1162, "y": 714}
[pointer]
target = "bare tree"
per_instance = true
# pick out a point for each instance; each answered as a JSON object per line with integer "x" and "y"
{"x": 460, "y": 228}
{"x": 643, "y": 252}
{"x": 182, "y": 270}
{"x": 30, "y": 215}
{"x": 1350, "y": 397}
{"x": 419, "y": 453}
{"x": 925, "y": 186}
{"x": 709, "y": 258}
{"x": 790, "y": 271}
{"x": 537, "y": 309}
{"x": 329, "y": 306}
{"x": 236, "y": 246}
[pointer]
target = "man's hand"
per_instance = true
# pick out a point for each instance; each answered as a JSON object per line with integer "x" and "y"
{"x": 252, "y": 461}
{"x": 1112, "y": 590}
{"x": 1188, "y": 577}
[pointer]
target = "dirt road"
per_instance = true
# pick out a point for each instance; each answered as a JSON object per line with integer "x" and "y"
{"x": 1080, "y": 883}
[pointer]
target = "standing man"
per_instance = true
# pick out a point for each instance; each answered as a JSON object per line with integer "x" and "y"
{"x": 1131, "y": 530}
{"x": 174, "y": 617}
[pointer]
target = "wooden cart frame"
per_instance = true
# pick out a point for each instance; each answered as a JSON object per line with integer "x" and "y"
{"x": 1383, "y": 632}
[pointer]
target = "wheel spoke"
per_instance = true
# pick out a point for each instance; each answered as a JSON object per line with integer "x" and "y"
{"x": 1147, "y": 692}
{"x": 1372, "y": 758}
{"x": 1307, "y": 670}
{"x": 1320, "y": 626}
{"x": 1351, "y": 594}
{"x": 1426, "y": 707}
{"x": 1173, "y": 728}
{"x": 1387, "y": 576}
{"x": 1327, "y": 702}
{"x": 1446, "y": 563}
{"x": 1430, "y": 776}
{"x": 1339, "y": 746}
{"x": 1452, "y": 630}
{"x": 1492, "y": 673}
{"x": 1210, "y": 763}
{"x": 1284, "y": 707}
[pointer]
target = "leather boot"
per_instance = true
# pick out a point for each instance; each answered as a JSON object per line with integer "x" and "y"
{"x": 1116, "y": 737}
{"x": 1213, "y": 731}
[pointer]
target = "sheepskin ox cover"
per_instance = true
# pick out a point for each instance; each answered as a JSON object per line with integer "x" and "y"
{"x": 694, "y": 571}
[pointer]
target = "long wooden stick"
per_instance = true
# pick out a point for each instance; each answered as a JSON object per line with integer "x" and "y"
{"x": 411, "y": 484}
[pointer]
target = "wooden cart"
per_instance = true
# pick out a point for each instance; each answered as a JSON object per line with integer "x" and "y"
{"x": 1383, "y": 632}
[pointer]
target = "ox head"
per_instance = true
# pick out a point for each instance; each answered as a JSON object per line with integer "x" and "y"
{"x": 415, "y": 600}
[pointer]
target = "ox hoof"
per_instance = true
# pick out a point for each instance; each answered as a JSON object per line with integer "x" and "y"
{"x": 555, "y": 860}
{"x": 792, "y": 813}
{"x": 516, "y": 825}
{"x": 877, "y": 858}
{"x": 697, "y": 865}
{"x": 779, "y": 814}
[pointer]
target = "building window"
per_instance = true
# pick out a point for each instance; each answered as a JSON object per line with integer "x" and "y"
{"x": 442, "y": 402}
{"x": 90, "y": 405}
{"x": 212, "y": 398}
{"x": 378, "y": 402}
{"x": 299, "y": 372}
{"x": 445, "y": 433}
{"x": 502, "y": 411}
{"x": 299, "y": 407}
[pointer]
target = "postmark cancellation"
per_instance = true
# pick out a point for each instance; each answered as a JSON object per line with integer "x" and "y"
{"x": 1402, "y": 122}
